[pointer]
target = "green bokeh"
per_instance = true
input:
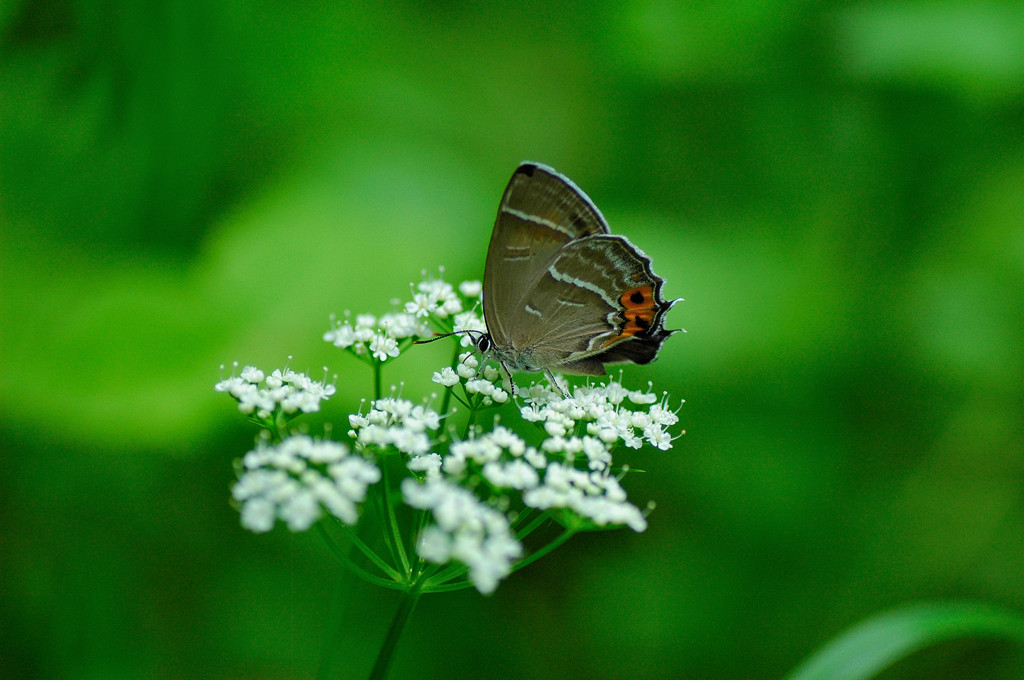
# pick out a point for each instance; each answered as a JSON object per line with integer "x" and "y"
{"x": 835, "y": 189}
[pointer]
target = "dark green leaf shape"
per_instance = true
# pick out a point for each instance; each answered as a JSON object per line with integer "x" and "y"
{"x": 873, "y": 645}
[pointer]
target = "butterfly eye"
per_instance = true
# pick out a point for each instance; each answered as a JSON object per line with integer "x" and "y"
{"x": 483, "y": 343}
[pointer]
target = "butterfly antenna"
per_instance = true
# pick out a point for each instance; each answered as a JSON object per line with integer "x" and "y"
{"x": 448, "y": 335}
{"x": 436, "y": 337}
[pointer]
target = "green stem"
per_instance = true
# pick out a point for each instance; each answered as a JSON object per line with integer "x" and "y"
{"x": 380, "y": 502}
{"x": 470, "y": 421}
{"x": 532, "y": 526}
{"x": 562, "y": 538}
{"x": 376, "y": 379}
{"x": 387, "y": 651}
{"x": 393, "y": 577}
{"x": 439, "y": 579}
{"x": 395, "y": 542}
{"x": 450, "y": 587}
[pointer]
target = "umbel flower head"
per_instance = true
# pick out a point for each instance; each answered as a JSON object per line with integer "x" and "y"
{"x": 298, "y": 481}
{"x": 461, "y": 498}
{"x": 260, "y": 395}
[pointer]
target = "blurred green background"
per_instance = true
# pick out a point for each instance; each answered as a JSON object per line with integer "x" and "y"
{"x": 837, "y": 189}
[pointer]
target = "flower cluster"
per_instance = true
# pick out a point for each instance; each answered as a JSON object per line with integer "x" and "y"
{"x": 572, "y": 467}
{"x": 285, "y": 389}
{"x": 476, "y": 379}
{"x": 434, "y": 297}
{"x": 374, "y": 337}
{"x": 477, "y": 493}
{"x": 434, "y": 302}
{"x": 300, "y": 479}
{"x": 465, "y": 530}
{"x": 397, "y": 423}
{"x": 601, "y": 411}
{"x": 596, "y": 496}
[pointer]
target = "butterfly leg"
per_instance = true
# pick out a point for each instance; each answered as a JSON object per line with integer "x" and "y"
{"x": 507, "y": 382}
{"x": 551, "y": 379}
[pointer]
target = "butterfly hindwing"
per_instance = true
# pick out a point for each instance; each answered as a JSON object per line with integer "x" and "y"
{"x": 598, "y": 294}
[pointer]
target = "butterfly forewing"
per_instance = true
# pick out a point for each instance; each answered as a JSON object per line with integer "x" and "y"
{"x": 540, "y": 213}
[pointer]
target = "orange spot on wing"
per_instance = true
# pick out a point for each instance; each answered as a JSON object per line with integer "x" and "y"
{"x": 639, "y": 298}
{"x": 638, "y": 308}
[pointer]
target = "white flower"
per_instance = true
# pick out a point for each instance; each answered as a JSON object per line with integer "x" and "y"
{"x": 640, "y": 419}
{"x": 663, "y": 416}
{"x": 639, "y": 397}
{"x": 480, "y": 386}
{"x": 615, "y": 393}
{"x": 394, "y": 407}
{"x": 434, "y": 545}
{"x": 259, "y": 514}
{"x": 250, "y": 399}
{"x": 450, "y": 306}
{"x": 430, "y": 464}
{"x": 598, "y": 455}
{"x": 383, "y": 346}
{"x": 593, "y": 495}
{"x": 466, "y": 530}
{"x": 604, "y": 411}
{"x": 446, "y": 377}
{"x": 555, "y": 428}
{"x": 300, "y": 479}
{"x": 507, "y": 439}
{"x": 341, "y": 336}
{"x": 300, "y": 511}
{"x": 658, "y": 437}
{"x": 251, "y": 374}
{"x": 363, "y": 336}
{"x": 467, "y": 366}
{"x": 480, "y": 450}
{"x": 435, "y": 297}
{"x": 422, "y": 305}
{"x": 534, "y": 413}
{"x": 408, "y": 440}
{"x": 471, "y": 289}
{"x": 516, "y": 474}
{"x": 423, "y": 418}
{"x": 400, "y": 326}
{"x": 398, "y": 423}
{"x": 469, "y": 321}
{"x": 539, "y": 395}
{"x": 276, "y": 379}
{"x": 535, "y": 458}
{"x": 291, "y": 391}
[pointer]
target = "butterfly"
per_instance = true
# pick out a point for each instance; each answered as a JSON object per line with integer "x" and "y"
{"x": 561, "y": 293}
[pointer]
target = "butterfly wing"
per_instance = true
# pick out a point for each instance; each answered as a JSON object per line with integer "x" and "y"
{"x": 596, "y": 302}
{"x": 540, "y": 212}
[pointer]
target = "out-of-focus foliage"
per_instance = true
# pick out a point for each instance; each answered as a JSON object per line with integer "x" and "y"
{"x": 834, "y": 188}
